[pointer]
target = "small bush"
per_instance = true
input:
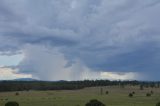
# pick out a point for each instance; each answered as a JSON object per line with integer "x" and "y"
{"x": 158, "y": 104}
{"x": 16, "y": 93}
{"x": 12, "y": 104}
{"x": 94, "y": 102}
{"x": 133, "y": 92}
{"x": 148, "y": 94}
{"x": 130, "y": 95}
{"x": 107, "y": 92}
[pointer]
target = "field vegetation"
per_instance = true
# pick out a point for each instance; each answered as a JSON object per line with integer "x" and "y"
{"x": 115, "y": 96}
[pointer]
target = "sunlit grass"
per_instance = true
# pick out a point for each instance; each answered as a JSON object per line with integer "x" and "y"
{"x": 116, "y": 97}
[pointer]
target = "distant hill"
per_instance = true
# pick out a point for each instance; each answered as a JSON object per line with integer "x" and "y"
{"x": 25, "y": 79}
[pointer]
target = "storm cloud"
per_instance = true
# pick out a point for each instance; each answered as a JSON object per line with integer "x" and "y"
{"x": 80, "y": 39}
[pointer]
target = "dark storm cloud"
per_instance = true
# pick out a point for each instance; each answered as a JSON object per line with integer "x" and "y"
{"x": 104, "y": 35}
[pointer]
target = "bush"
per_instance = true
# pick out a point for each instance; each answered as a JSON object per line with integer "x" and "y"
{"x": 148, "y": 94}
{"x": 158, "y": 104}
{"x": 130, "y": 95}
{"x": 133, "y": 92}
{"x": 12, "y": 104}
{"x": 16, "y": 93}
{"x": 94, "y": 102}
{"x": 107, "y": 92}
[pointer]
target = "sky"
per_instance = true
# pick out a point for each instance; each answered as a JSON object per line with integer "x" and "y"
{"x": 80, "y": 39}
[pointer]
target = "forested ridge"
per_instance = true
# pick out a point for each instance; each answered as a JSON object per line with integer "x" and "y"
{"x": 68, "y": 85}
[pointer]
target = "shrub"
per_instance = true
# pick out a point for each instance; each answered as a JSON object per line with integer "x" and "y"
{"x": 133, "y": 92}
{"x": 16, "y": 93}
{"x": 107, "y": 92}
{"x": 11, "y": 104}
{"x": 148, "y": 94}
{"x": 94, "y": 102}
{"x": 158, "y": 104}
{"x": 130, "y": 95}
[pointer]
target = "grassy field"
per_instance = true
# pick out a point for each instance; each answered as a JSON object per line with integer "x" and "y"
{"x": 117, "y": 97}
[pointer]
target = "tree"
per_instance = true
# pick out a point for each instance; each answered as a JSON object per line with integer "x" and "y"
{"x": 94, "y": 102}
{"x": 12, "y": 104}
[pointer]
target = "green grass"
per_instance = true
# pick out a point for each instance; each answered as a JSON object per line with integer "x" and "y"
{"x": 117, "y": 97}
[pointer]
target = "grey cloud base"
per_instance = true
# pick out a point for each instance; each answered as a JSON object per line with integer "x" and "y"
{"x": 102, "y": 35}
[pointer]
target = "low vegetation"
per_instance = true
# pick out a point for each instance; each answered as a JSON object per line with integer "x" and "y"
{"x": 94, "y": 102}
{"x": 133, "y": 92}
{"x": 148, "y": 94}
{"x": 106, "y": 92}
{"x": 16, "y": 93}
{"x": 158, "y": 104}
{"x": 130, "y": 95}
{"x": 11, "y": 104}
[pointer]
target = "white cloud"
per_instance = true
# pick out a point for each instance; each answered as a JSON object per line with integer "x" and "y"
{"x": 119, "y": 76}
{"x": 9, "y": 74}
{"x": 49, "y": 64}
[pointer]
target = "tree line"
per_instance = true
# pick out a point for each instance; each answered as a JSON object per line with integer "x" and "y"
{"x": 68, "y": 85}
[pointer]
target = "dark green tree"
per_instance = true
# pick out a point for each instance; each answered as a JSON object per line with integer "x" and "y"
{"x": 94, "y": 102}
